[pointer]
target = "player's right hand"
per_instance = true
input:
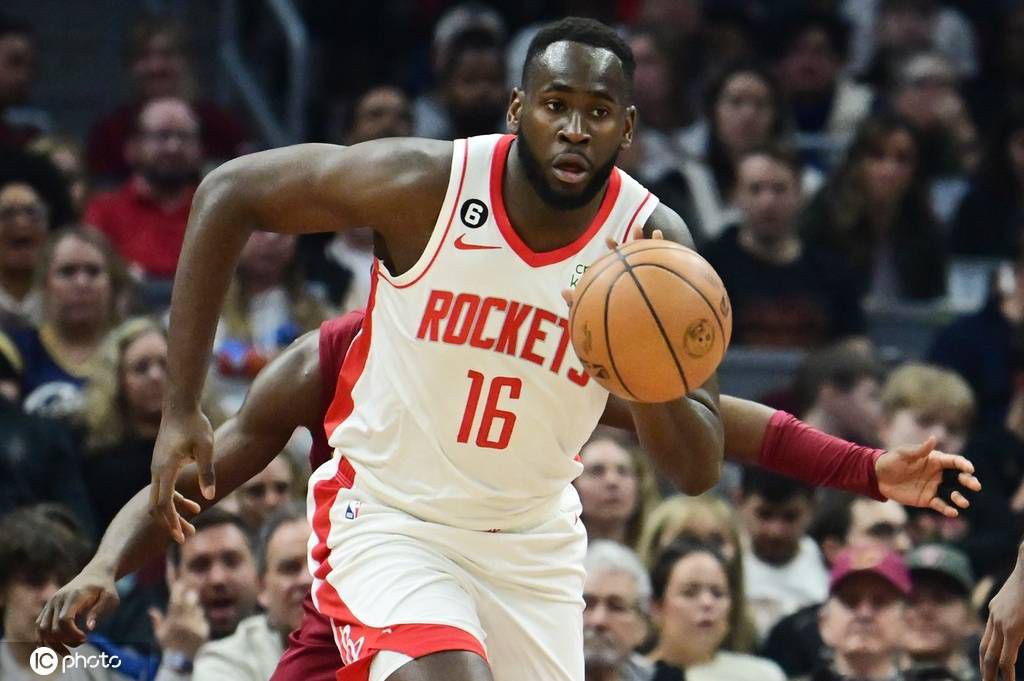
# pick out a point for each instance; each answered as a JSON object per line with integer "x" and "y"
{"x": 89, "y": 595}
{"x": 183, "y": 437}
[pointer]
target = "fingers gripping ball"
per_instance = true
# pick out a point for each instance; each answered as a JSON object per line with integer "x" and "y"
{"x": 651, "y": 320}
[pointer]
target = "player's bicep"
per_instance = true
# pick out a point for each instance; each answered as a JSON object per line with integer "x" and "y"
{"x": 672, "y": 227}
{"x": 384, "y": 184}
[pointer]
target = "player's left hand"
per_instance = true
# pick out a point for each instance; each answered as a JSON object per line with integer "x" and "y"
{"x": 911, "y": 475}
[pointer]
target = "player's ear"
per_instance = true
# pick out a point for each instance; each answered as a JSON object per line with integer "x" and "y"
{"x": 629, "y": 128}
{"x": 515, "y": 110}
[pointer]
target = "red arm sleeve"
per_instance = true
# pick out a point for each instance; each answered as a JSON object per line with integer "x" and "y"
{"x": 793, "y": 448}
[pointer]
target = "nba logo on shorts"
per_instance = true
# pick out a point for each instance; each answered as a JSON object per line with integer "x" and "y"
{"x": 352, "y": 510}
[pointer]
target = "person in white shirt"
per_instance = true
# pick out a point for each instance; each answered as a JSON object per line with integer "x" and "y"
{"x": 783, "y": 567}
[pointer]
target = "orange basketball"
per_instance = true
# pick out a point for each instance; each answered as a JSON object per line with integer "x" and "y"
{"x": 651, "y": 320}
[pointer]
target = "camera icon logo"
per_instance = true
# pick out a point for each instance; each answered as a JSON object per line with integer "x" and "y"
{"x": 44, "y": 661}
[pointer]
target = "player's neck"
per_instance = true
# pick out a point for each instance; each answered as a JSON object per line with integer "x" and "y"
{"x": 541, "y": 226}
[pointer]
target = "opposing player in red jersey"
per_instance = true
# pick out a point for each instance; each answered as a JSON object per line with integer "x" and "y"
{"x": 295, "y": 391}
{"x": 446, "y": 537}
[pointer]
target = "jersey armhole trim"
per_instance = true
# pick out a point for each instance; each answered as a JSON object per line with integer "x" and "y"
{"x": 633, "y": 221}
{"x": 438, "y": 236}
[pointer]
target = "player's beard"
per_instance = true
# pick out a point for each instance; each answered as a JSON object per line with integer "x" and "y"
{"x": 535, "y": 175}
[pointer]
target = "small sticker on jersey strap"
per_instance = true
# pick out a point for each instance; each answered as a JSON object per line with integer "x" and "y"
{"x": 473, "y": 213}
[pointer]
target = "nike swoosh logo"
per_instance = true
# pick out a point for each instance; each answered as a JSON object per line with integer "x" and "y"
{"x": 463, "y": 246}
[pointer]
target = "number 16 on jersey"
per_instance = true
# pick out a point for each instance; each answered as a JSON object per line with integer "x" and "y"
{"x": 491, "y": 413}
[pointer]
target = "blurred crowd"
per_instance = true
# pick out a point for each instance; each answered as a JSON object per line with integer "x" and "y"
{"x": 833, "y": 160}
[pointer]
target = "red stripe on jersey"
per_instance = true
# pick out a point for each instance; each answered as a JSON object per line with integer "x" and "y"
{"x": 358, "y": 643}
{"x": 529, "y": 256}
{"x": 629, "y": 225}
{"x": 325, "y": 493}
{"x": 447, "y": 228}
{"x": 352, "y": 367}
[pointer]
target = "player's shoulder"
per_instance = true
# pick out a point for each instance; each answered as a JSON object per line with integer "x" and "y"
{"x": 409, "y": 157}
{"x": 672, "y": 226}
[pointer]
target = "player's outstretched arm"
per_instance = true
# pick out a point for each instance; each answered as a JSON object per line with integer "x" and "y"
{"x": 284, "y": 396}
{"x": 1004, "y": 630}
{"x": 684, "y": 437}
{"x": 394, "y": 186}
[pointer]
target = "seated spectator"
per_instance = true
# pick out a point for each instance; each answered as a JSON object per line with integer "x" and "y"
{"x": 82, "y": 284}
{"x": 617, "y": 594}
{"x": 213, "y": 585}
{"x": 841, "y": 521}
{"x": 811, "y": 49}
{"x": 990, "y": 220}
{"x": 66, "y": 155}
{"x": 691, "y": 599}
{"x": 999, "y": 86}
{"x": 145, "y": 218}
{"x": 837, "y": 391}
{"x": 158, "y": 63}
{"x": 17, "y": 70}
{"x": 266, "y": 492}
{"x": 37, "y": 555}
{"x": 862, "y": 621}
{"x": 267, "y": 307}
{"x": 616, "y": 489}
{"x": 467, "y": 59}
{"x": 24, "y": 223}
{"x": 939, "y": 617}
{"x": 782, "y": 294}
{"x": 252, "y": 651}
{"x": 782, "y": 566}
{"x": 123, "y": 403}
{"x": 744, "y": 110}
{"x": 705, "y": 520}
{"x": 874, "y": 217}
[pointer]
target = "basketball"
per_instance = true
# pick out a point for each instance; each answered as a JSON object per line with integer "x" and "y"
{"x": 651, "y": 320}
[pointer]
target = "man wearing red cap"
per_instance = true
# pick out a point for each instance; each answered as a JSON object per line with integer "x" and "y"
{"x": 863, "y": 618}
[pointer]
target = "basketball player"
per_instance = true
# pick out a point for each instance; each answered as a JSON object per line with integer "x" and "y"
{"x": 1004, "y": 630}
{"x": 447, "y": 542}
{"x": 295, "y": 390}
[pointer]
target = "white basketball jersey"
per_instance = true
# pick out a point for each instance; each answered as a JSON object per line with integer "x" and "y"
{"x": 462, "y": 401}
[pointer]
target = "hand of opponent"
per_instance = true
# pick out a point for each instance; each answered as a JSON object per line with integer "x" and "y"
{"x": 1004, "y": 630}
{"x": 183, "y": 437}
{"x": 912, "y": 475}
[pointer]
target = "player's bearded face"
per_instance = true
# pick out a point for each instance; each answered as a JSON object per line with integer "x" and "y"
{"x": 539, "y": 175}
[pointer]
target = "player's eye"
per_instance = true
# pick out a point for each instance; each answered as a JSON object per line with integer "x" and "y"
{"x": 599, "y": 113}
{"x": 554, "y": 105}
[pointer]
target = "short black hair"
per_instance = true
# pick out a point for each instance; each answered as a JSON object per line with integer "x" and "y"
{"x": 675, "y": 552}
{"x": 772, "y": 487}
{"x": 35, "y": 547}
{"x": 211, "y": 517}
{"x": 833, "y": 517}
{"x": 588, "y": 32}
{"x": 780, "y": 153}
{"x": 470, "y": 40}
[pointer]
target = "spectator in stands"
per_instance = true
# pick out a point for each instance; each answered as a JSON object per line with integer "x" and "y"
{"x": 783, "y": 567}
{"x": 17, "y": 70}
{"x": 616, "y": 488}
{"x": 468, "y": 58}
{"x": 782, "y": 294}
{"x": 122, "y": 413}
{"x": 268, "y": 306}
{"x": 213, "y": 584}
{"x": 266, "y": 492}
{"x": 252, "y": 651}
{"x": 837, "y": 391}
{"x": 24, "y": 223}
{"x": 811, "y": 50}
{"x": 691, "y": 600}
{"x": 82, "y": 285}
{"x": 939, "y": 617}
{"x": 66, "y": 155}
{"x": 840, "y": 522}
{"x": 617, "y": 594}
{"x": 338, "y": 266}
{"x": 157, "y": 57}
{"x": 37, "y": 554}
{"x": 990, "y": 220}
{"x": 712, "y": 521}
{"x": 145, "y": 218}
{"x": 1000, "y": 84}
{"x": 862, "y": 620}
{"x": 744, "y": 110}
{"x": 875, "y": 218}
